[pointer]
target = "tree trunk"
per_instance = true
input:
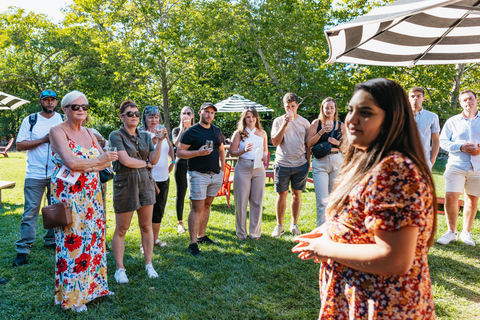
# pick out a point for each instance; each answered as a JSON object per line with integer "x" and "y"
{"x": 456, "y": 84}
{"x": 166, "y": 106}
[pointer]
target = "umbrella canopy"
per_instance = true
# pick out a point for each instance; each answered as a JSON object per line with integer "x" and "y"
{"x": 9, "y": 102}
{"x": 237, "y": 103}
{"x": 410, "y": 32}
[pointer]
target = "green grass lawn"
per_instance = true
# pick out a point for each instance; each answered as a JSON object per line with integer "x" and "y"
{"x": 231, "y": 280}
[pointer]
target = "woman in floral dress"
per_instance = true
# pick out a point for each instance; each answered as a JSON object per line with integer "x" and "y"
{"x": 81, "y": 266}
{"x": 381, "y": 217}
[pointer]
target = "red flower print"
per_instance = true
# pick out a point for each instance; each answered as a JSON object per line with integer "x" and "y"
{"x": 80, "y": 184}
{"x": 57, "y": 282}
{"x": 82, "y": 263}
{"x": 60, "y": 187}
{"x": 96, "y": 260}
{"x": 73, "y": 242}
{"x": 93, "y": 285}
{"x": 100, "y": 223}
{"x": 61, "y": 265}
{"x": 89, "y": 213}
{"x": 58, "y": 249}
{"x": 93, "y": 184}
{"x": 94, "y": 238}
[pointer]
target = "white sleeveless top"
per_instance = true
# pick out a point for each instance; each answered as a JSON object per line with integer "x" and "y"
{"x": 251, "y": 138}
{"x": 160, "y": 170}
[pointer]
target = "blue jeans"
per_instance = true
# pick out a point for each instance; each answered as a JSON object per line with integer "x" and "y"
{"x": 33, "y": 191}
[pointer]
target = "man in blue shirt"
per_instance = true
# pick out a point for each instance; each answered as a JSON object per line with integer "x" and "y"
{"x": 461, "y": 137}
{"x": 427, "y": 123}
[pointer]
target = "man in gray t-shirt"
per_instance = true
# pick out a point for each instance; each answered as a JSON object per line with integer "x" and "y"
{"x": 292, "y": 162}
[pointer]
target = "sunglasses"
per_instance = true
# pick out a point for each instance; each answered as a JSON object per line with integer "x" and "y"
{"x": 131, "y": 114}
{"x": 76, "y": 107}
{"x": 187, "y": 113}
{"x": 249, "y": 107}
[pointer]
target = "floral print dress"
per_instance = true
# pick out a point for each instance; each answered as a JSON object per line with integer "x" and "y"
{"x": 81, "y": 265}
{"x": 393, "y": 195}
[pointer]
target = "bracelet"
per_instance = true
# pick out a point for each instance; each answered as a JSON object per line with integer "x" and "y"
{"x": 147, "y": 163}
{"x": 173, "y": 161}
{"x": 92, "y": 170}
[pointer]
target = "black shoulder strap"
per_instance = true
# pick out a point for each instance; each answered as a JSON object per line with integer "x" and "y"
{"x": 32, "y": 119}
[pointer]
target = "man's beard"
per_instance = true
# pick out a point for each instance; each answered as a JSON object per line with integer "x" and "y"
{"x": 48, "y": 110}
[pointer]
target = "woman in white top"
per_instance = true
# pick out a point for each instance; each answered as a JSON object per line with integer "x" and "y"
{"x": 151, "y": 119}
{"x": 249, "y": 143}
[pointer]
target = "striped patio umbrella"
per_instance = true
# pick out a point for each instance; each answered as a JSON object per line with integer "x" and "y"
{"x": 9, "y": 102}
{"x": 237, "y": 103}
{"x": 409, "y": 33}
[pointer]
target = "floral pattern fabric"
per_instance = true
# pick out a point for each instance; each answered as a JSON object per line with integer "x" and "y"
{"x": 393, "y": 195}
{"x": 81, "y": 265}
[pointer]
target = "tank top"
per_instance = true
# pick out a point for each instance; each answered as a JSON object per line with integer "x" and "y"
{"x": 337, "y": 133}
{"x": 250, "y": 138}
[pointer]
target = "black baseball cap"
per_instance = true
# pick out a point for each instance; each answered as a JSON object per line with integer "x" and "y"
{"x": 48, "y": 93}
{"x": 208, "y": 104}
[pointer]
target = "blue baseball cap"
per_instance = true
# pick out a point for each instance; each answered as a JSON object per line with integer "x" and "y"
{"x": 48, "y": 93}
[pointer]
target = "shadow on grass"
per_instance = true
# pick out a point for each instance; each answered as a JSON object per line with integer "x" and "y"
{"x": 442, "y": 268}
{"x": 6, "y": 207}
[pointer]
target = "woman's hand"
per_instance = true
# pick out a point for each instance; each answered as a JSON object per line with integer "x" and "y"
{"x": 161, "y": 135}
{"x": 334, "y": 141}
{"x": 265, "y": 158}
{"x": 170, "y": 167}
{"x": 312, "y": 246}
{"x": 315, "y": 233}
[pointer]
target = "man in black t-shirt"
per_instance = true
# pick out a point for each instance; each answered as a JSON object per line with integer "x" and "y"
{"x": 205, "y": 171}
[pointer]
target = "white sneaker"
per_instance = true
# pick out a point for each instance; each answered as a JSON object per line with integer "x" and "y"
{"x": 447, "y": 238}
{"x": 121, "y": 276}
{"x": 150, "y": 271}
{"x": 278, "y": 231}
{"x": 180, "y": 229}
{"x": 294, "y": 229}
{"x": 466, "y": 237}
{"x": 81, "y": 308}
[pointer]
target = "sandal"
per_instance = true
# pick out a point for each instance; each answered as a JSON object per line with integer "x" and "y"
{"x": 161, "y": 244}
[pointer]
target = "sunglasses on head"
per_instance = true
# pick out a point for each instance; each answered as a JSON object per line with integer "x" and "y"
{"x": 249, "y": 107}
{"x": 131, "y": 114}
{"x": 76, "y": 107}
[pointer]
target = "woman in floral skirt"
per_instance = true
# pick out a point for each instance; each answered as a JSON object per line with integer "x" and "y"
{"x": 81, "y": 266}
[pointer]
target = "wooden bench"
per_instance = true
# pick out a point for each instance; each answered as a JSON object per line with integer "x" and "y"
{"x": 441, "y": 201}
{"x": 5, "y": 185}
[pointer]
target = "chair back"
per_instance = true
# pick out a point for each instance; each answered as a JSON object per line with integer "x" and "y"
{"x": 226, "y": 177}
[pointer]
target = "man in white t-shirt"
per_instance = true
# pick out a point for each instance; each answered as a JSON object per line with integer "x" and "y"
{"x": 33, "y": 137}
{"x": 292, "y": 162}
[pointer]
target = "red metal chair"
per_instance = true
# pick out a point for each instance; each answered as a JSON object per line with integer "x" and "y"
{"x": 225, "y": 190}
{"x": 3, "y": 150}
{"x": 268, "y": 171}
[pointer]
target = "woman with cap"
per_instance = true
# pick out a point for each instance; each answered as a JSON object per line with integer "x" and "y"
{"x": 187, "y": 119}
{"x": 133, "y": 186}
{"x": 152, "y": 123}
{"x": 81, "y": 264}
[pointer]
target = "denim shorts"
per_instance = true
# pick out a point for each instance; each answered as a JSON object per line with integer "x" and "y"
{"x": 203, "y": 185}
{"x": 296, "y": 175}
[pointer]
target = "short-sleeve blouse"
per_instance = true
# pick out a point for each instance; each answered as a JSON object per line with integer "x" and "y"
{"x": 393, "y": 195}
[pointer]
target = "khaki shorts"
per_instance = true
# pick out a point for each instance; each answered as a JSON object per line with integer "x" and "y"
{"x": 203, "y": 185}
{"x": 133, "y": 190}
{"x": 458, "y": 180}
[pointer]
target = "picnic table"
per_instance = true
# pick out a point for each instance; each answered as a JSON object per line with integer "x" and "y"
{"x": 5, "y": 185}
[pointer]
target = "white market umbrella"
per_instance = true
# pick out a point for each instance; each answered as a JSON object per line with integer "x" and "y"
{"x": 9, "y": 102}
{"x": 409, "y": 33}
{"x": 237, "y": 103}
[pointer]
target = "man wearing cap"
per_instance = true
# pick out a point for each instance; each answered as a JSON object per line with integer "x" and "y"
{"x": 33, "y": 137}
{"x": 205, "y": 172}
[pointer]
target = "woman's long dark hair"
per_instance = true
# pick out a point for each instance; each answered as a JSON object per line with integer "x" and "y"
{"x": 399, "y": 132}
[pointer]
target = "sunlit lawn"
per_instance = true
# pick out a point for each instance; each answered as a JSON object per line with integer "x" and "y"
{"x": 231, "y": 280}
